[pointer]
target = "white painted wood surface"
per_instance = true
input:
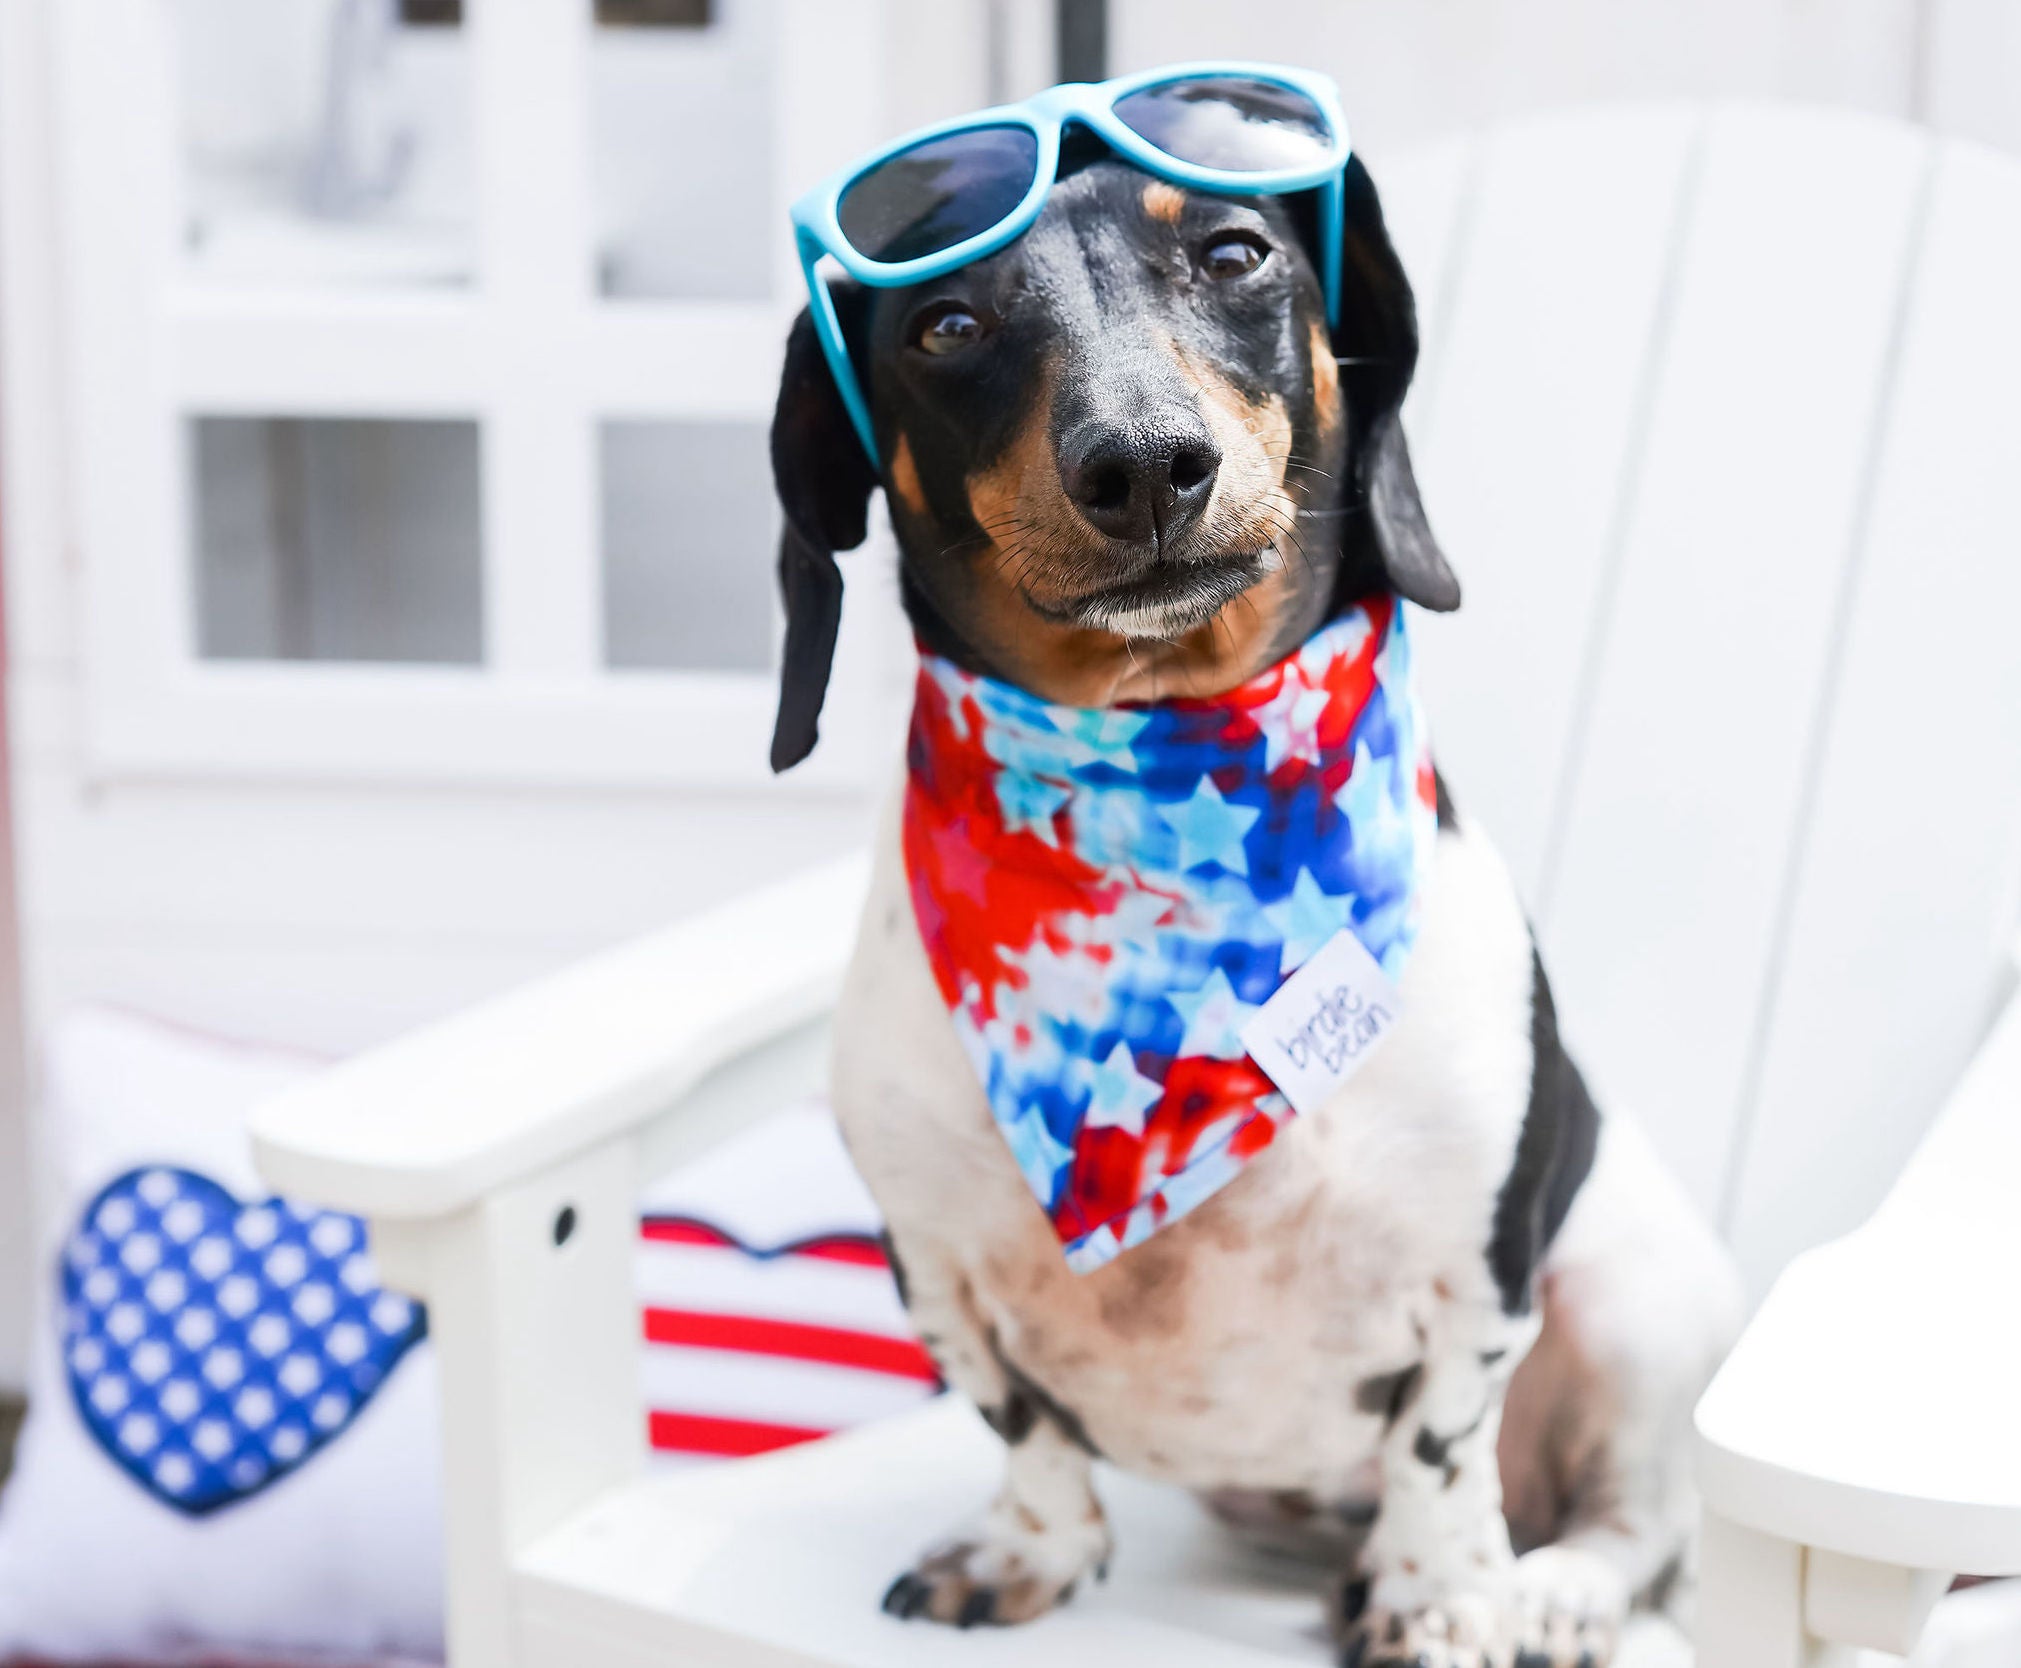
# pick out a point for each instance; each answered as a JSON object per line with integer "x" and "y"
{"x": 1705, "y": 670}
{"x": 1773, "y": 719}
{"x": 1875, "y": 1008}
{"x": 1857, "y": 1449}
{"x": 527, "y": 350}
{"x": 1691, "y": 489}
{"x": 1413, "y": 72}
{"x": 432, "y": 1124}
{"x": 1540, "y": 363}
{"x": 776, "y": 1565}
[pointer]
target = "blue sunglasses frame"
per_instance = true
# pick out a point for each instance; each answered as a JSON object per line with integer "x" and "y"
{"x": 817, "y": 226}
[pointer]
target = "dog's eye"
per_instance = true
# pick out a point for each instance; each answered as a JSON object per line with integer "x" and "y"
{"x": 1232, "y": 256}
{"x": 947, "y": 329}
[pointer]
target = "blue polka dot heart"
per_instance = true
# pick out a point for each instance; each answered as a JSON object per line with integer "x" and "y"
{"x": 213, "y": 1346}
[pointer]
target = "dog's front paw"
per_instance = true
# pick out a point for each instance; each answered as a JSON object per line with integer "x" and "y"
{"x": 999, "y": 1577}
{"x": 1567, "y": 1607}
{"x": 1462, "y": 1630}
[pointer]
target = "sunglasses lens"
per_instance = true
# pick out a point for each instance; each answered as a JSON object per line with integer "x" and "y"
{"x": 940, "y": 193}
{"x": 1231, "y": 122}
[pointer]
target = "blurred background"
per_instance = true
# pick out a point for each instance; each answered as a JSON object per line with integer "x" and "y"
{"x": 388, "y": 530}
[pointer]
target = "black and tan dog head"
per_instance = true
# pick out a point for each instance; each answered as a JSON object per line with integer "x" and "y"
{"x": 1125, "y": 456}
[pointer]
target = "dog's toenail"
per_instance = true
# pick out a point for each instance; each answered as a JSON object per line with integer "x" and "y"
{"x": 977, "y": 1608}
{"x": 1353, "y": 1600}
{"x": 1357, "y": 1648}
{"x": 906, "y": 1597}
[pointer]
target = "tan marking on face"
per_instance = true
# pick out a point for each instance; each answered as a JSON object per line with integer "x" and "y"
{"x": 1325, "y": 379}
{"x": 1250, "y": 506}
{"x": 905, "y": 477}
{"x": 1019, "y": 502}
{"x": 1082, "y": 667}
{"x": 1164, "y": 201}
{"x": 1045, "y": 555}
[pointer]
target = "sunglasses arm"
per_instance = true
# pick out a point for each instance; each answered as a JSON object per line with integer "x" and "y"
{"x": 1332, "y": 226}
{"x": 828, "y": 328}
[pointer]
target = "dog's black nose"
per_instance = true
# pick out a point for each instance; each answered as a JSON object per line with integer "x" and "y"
{"x": 1143, "y": 484}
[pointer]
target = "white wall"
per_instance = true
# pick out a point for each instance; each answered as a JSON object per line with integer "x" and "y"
{"x": 1413, "y": 70}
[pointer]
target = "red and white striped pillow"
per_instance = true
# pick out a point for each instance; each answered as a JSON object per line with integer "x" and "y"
{"x": 770, "y": 1314}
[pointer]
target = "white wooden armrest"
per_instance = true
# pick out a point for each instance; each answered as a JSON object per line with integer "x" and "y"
{"x": 1863, "y": 1442}
{"x": 429, "y": 1124}
{"x": 498, "y": 1157}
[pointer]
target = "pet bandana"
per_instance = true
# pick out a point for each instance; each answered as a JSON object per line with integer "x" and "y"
{"x": 1107, "y": 895}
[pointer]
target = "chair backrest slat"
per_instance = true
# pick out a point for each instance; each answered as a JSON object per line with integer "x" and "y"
{"x": 1663, "y": 899}
{"x": 1569, "y": 234}
{"x": 1906, "y": 895}
{"x": 1719, "y": 424}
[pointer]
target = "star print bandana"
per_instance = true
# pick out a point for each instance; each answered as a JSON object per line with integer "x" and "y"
{"x": 1107, "y": 895}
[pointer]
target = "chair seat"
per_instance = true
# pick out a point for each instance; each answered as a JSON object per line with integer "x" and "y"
{"x": 781, "y": 1561}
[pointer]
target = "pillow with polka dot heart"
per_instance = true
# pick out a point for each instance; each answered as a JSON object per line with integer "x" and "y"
{"x": 212, "y": 1347}
{"x": 233, "y": 1450}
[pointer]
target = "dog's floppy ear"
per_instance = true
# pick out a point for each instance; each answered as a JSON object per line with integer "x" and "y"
{"x": 823, "y": 479}
{"x": 1377, "y": 344}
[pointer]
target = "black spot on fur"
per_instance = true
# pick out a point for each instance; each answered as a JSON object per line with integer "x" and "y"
{"x": 1437, "y": 1451}
{"x": 1040, "y": 1403}
{"x": 1490, "y": 1356}
{"x": 897, "y": 1268}
{"x": 1554, "y": 1153}
{"x": 1389, "y": 1394}
{"x": 1663, "y": 1585}
{"x": 1448, "y": 817}
{"x": 1014, "y": 1420}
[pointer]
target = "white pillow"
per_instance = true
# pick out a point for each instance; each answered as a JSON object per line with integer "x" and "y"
{"x": 232, "y": 1433}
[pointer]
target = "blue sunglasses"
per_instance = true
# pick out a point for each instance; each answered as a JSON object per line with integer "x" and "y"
{"x": 949, "y": 194}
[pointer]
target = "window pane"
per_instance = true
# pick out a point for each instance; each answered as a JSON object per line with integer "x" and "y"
{"x": 690, "y": 535}
{"x": 320, "y": 538}
{"x": 682, "y": 136}
{"x": 325, "y": 141}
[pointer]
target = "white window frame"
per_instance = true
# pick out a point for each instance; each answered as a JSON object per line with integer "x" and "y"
{"x": 528, "y": 350}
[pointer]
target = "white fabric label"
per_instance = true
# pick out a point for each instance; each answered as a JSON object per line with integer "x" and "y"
{"x": 1323, "y": 1023}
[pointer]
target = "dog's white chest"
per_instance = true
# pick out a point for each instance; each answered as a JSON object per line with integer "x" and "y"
{"x": 1232, "y": 1348}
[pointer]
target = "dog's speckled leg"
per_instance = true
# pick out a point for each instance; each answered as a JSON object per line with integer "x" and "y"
{"x": 1046, "y": 1529}
{"x": 1438, "y": 1588}
{"x": 1044, "y": 1532}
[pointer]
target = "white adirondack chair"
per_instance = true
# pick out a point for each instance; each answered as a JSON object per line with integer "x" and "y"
{"x": 1721, "y": 421}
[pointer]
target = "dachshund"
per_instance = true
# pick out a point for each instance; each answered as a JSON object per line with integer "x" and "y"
{"x": 1454, "y": 1320}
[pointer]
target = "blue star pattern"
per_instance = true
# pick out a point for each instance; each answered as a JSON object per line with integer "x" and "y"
{"x": 1119, "y": 1097}
{"x": 1214, "y": 1016}
{"x": 213, "y": 1347}
{"x": 1305, "y": 920}
{"x": 1210, "y": 829}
